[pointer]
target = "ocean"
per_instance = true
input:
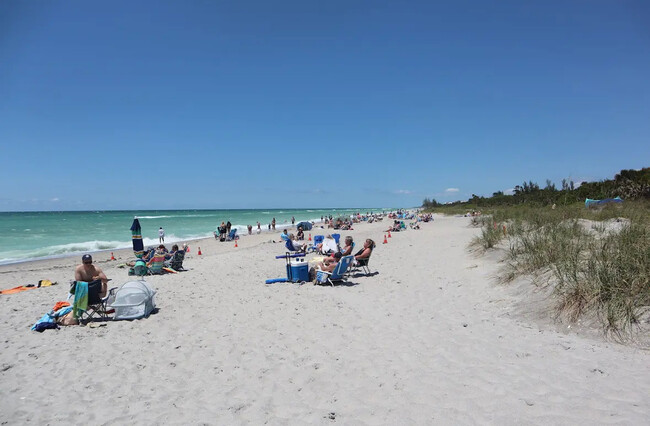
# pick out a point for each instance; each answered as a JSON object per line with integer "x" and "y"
{"x": 38, "y": 235}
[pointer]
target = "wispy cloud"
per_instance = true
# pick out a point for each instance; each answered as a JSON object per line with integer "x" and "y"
{"x": 313, "y": 191}
{"x": 403, "y": 191}
{"x": 55, "y": 199}
{"x": 450, "y": 190}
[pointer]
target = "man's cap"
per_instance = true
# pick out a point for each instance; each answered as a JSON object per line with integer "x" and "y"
{"x": 86, "y": 257}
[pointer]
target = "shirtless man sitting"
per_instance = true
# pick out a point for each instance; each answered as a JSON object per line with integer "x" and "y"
{"x": 88, "y": 272}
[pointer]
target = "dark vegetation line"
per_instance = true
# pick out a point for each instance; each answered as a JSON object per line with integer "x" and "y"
{"x": 628, "y": 184}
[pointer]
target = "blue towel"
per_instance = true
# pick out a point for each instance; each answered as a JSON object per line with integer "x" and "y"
{"x": 80, "y": 304}
{"x": 49, "y": 319}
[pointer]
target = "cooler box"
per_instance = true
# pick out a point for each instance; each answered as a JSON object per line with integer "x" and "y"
{"x": 298, "y": 270}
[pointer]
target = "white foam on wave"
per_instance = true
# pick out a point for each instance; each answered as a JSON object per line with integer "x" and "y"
{"x": 62, "y": 250}
{"x": 176, "y": 216}
{"x": 153, "y": 217}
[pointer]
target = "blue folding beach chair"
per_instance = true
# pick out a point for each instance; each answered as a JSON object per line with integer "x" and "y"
{"x": 336, "y": 237}
{"x": 290, "y": 247}
{"x": 233, "y": 235}
{"x": 338, "y": 274}
{"x": 318, "y": 239}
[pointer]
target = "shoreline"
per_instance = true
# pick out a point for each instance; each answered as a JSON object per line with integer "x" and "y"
{"x": 123, "y": 250}
{"x": 51, "y": 235}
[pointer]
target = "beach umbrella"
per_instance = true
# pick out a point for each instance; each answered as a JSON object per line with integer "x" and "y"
{"x": 136, "y": 236}
{"x": 306, "y": 226}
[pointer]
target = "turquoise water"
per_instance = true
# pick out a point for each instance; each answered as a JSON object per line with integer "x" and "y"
{"x": 35, "y": 235}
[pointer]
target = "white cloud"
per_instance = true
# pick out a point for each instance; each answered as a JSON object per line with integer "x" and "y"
{"x": 55, "y": 199}
{"x": 403, "y": 191}
{"x": 448, "y": 190}
{"x": 509, "y": 191}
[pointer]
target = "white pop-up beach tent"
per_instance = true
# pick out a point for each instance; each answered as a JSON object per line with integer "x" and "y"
{"x": 134, "y": 300}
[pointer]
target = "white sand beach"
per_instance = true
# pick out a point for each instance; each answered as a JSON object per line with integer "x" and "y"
{"x": 430, "y": 338}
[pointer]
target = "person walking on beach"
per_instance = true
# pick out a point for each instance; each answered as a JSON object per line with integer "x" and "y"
{"x": 259, "y": 229}
{"x": 88, "y": 272}
{"x": 250, "y": 229}
{"x": 273, "y": 224}
{"x": 161, "y": 235}
{"x": 228, "y": 226}
{"x": 293, "y": 220}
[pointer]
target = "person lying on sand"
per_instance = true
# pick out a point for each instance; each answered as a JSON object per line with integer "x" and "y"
{"x": 88, "y": 272}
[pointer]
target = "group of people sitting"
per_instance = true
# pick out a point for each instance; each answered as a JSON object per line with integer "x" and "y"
{"x": 397, "y": 226}
{"x": 223, "y": 232}
{"x": 342, "y": 224}
{"x": 331, "y": 261}
{"x": 160, "y": 255}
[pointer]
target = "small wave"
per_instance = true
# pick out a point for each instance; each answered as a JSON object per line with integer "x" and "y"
{"x": 153, "y": 217}
{"x": 176, "y": 216}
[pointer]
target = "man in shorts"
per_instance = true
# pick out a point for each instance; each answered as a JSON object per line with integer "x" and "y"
{"x": 88, "y": 272}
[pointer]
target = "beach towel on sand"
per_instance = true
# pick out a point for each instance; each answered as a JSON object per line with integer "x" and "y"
{"x": 49, "y": 319}
{"x": 16, "y": 289}
{"x": 80, "y": 304}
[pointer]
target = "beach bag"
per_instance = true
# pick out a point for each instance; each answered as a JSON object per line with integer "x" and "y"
{"x": 321, "y": 277}
{"x": 140, "y": 268}
{"x": 135, "y": 299}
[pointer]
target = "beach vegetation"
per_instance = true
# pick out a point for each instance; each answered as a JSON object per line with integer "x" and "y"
{"x": 596, "y": 261}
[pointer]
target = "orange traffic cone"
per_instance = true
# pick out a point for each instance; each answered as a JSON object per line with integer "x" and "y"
{"x": 389, "y": 234}
{"x": 309, "y": 237}
{"x": 199, "y": 251}
{"x": 112, "y": 257}
{"x": 236, "y": 244}
{"x": 385, "y": 240}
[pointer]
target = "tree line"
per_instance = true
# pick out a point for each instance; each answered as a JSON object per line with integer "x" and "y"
{"x": 627, "y": 184}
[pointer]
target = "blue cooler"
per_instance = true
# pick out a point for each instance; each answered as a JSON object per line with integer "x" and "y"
{"x": 298, "y": 270}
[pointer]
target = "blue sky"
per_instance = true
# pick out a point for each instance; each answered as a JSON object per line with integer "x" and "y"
{"x": 253, "y": 104}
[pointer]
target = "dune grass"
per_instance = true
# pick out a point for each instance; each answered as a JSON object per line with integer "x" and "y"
{"x": 597, "y": 267}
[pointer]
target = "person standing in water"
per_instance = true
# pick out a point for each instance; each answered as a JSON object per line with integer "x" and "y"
{"x": 273, "y": 224}
{"x": 259, "y": 229}
{"x": 161, "y": 235}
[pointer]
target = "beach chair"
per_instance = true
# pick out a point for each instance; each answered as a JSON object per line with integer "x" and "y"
{"x": 336, "y": 237}
{"x": 290, "y": 247}
{"x": 97, "y": 305}
{"x": 157, "y": 264}
{"x": 318, "y": 239}
{"x": 339, "y": 273}
{"x": 177, "y": 260}
{"x": 363, "y": 264}
{"x": 232, "y": 235}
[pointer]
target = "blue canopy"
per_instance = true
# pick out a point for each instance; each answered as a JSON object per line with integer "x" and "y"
{"x": 593, "y": 203}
